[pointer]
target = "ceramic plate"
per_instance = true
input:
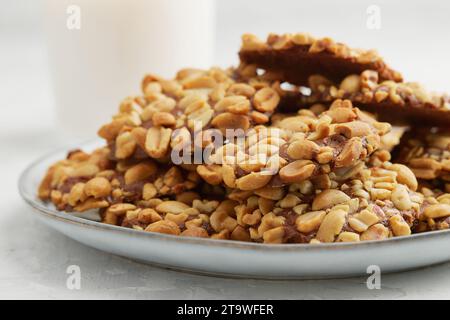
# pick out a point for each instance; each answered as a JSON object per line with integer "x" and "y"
{"x": 234, "y": 258}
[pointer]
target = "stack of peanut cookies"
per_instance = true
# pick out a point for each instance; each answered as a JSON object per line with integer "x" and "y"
{"x": 281, "y": 149}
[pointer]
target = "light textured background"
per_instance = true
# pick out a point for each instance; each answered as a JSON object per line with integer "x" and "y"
{"x": 33, "y": 259}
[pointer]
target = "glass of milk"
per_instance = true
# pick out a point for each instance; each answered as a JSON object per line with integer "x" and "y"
{"x": 99, "y": 50}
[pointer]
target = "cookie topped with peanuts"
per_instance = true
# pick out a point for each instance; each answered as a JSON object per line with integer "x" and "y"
{"x": 169, "y": 113}
{"x": 298, "y": 56}
{"x": 280, "y": 149}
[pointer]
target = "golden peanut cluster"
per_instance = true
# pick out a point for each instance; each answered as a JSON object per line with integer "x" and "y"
{"x": 296, "y": 148}
{"x": 366, "y": 88}
{"x": 229, "y": 154}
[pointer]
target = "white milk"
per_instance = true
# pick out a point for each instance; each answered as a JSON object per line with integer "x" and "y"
{"x": 118, "y": 41}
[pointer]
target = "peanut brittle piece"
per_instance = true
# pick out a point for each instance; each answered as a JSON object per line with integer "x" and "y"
{"x": 398, "y": 103}
{"x": 297, "y": 56}
{"x": 170, "y": 112}
{"x": 87, "y": 181}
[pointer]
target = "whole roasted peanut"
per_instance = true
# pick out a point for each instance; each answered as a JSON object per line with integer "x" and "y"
{"x": 362, "y": 221}
{"x": 98, "y": 187}
{"x": 310, "y": 221}
{"x": 437, "y": 211}
{"x": 351, "y": 83}
{"x": 148, "y": 216}
{"x": 252, "y": 181}
{"x": 218, "y": 92}
{"x": 91, "y": 203}
{"x": 84, "y": 170}
{"x": 205, "y": 206}
{"x": 121, "y": 208}
{"x": 125, "y": 145}
{"x": 174, "y": 207}
{"x": 294, "y": 124}
{"x": 196, "y": 232}
{"x": 266, "y": 100}
{"x": 348, "y": 237}
{"x": 196, "y": 222}
{"x": 197, "y": 82}
{"x": 271, "y": 193}
{"x": 405, "y": 176}
{"x": 302, "y": 149}
{"x": 139, "y": 135}
{"x": 179, "y": 218}
{"x": 259, "y": 117}
{"x": 140, "y": 172}
{"x": 149, "y": 191}
{"x": 444, "y": 198}
{"x": 274, "y": 235}
{"x": 353, "y": 129}
{"x": 110, "y": 131}
{"x": 163, "y": 119}
{"x": 77, "y": 194}
{"x": 211, "y": 173}
{"x": 380, "y": 194}
{"x": 350, "y": 153}
{"x": 228, "y": 175}
{"x": 400, "y": 197}
{"x": 331, "y": 225}
{"x": 297, "y": 171}
{"x": 233, "y": 104}
{"x": 341, "y": 114}
{"x": 375, "y": 232}
{"x": 157, "y": 141}
{"x": 164, "y": 226}
{"x": 329, "y": 198}
{"x": 199, "y": 115}
{"x": 229, "y": 120}
{"x": 241, "y": 89}
{"x": 289, "y": 201}
{"x": 399, "y": 226}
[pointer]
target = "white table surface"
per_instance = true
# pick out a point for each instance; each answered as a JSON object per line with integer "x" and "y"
{"x": 34, "y": 258}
